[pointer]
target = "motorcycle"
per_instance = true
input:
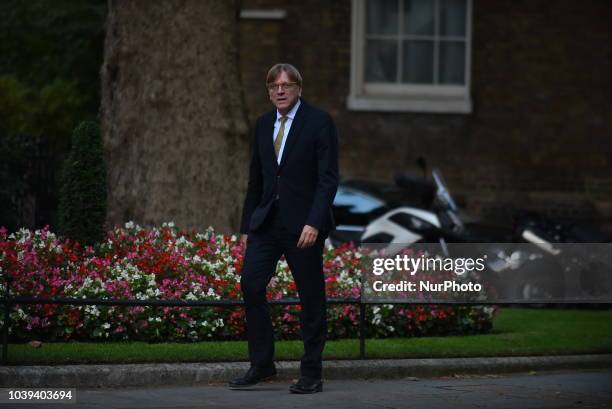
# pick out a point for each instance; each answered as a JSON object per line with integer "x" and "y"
{"x": 525, "y": 265}
{"x": 578, "y": 260}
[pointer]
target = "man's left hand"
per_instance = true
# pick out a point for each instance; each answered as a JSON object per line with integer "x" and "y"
{"x": 308, "y": 237}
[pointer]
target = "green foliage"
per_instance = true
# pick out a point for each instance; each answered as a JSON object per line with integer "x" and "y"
{"x": 49, "y": 112}
{"x": 82, "y": 207}
{"x": 53, "y": 52}
{"x": 50, "y": 58}
{"x": 41, "y": 40}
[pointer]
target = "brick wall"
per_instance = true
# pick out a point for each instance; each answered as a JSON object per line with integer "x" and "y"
{"x": 540, "y": 134}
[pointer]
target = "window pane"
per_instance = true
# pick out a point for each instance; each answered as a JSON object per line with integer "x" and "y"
{"x": 419, "y": 17}
{"x": 381, "y": 61}
{"x": 381, "y": 17}
{"x": 417, "y": 62}
{"x": 452, "y": 62}
{"x": 452, "y": 17}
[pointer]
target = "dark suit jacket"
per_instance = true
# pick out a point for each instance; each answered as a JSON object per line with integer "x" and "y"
{"x": 306, "y": 179}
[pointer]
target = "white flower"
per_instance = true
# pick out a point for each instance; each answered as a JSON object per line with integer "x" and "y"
{"x": 93, "y": 310}
{"x": 181, "y": 241}
{"x": 106, "y": 325}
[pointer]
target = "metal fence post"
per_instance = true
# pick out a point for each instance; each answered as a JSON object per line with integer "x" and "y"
{"x": 362, "y": 317}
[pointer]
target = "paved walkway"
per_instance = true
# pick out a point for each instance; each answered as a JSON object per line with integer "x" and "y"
{"x": 184, "y": 374}
{"x": 586, "y": 389}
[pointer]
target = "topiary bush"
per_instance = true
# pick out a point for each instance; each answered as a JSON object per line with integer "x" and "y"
{"x": 82, "y": 206}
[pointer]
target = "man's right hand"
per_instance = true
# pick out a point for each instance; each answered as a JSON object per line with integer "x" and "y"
{"x": 243, "y": 240}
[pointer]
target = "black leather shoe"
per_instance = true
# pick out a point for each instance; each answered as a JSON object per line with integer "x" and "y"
{"x": 253, "y": 376}
{"x": 307, "y": 385}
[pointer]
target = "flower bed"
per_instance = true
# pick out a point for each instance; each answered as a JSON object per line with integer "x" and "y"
{"x": 165, "y": 263}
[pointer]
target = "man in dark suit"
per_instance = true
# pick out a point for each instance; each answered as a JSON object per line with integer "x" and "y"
{"x": 293, "y": 178}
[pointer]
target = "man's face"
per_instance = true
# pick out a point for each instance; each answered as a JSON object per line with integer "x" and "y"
{"x": 284, "y": 93}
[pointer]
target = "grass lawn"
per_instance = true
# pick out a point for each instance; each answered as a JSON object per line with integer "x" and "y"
{"x": 516, "y": 331}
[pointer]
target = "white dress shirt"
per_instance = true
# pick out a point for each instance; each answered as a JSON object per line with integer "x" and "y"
{"x": 277, "y": 124}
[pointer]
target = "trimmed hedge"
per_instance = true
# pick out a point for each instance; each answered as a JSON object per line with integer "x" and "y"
{"x": 82, "y": 207}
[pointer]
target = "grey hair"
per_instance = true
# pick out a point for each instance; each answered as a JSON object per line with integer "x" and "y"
{"x": 291, "y": 71}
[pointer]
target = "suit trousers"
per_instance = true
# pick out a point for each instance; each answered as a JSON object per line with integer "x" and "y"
{"x": 264, "y": 249}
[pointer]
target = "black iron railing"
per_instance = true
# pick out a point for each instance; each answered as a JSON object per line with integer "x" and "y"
{"x": 9, "y": 301}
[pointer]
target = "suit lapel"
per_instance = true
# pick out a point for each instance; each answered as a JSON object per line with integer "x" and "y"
{"x": 269, "y": 138}
{"x": 294, "y": 132}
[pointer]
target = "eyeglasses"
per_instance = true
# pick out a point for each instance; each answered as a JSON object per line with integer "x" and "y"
{"x": 284, "y": 86}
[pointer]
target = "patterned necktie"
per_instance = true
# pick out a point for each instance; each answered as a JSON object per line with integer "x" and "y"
{"x": 279, "y": 136}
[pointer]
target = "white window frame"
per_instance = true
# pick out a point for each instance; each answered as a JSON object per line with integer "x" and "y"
{"x": 437, "y": 98}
